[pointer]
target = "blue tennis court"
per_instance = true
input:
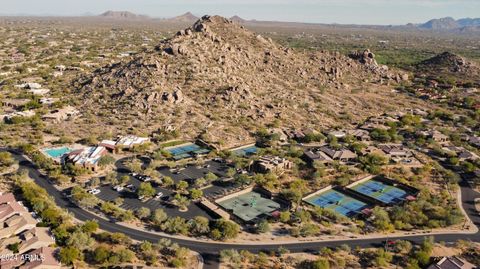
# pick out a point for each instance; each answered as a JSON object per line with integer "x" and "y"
{"x": 338, "y": 202}
{"x": 186, "y": 151}
{"x": 382, "y": 192}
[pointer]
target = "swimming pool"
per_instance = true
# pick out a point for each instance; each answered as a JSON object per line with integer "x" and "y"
{"x": 56, "y": 153}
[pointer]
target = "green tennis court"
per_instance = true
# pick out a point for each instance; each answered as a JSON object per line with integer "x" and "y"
{"x": 250, "y": 206}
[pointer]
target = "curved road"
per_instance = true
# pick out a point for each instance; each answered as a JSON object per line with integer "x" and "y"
{"x": 210, "y": 250}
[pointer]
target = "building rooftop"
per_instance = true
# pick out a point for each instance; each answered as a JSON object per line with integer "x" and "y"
{"x": 452, "y": 263}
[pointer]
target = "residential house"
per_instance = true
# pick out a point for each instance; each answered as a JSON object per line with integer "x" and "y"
{"x": 16, "y": 224}
{"x": 295, "y": 134}
{"x": 40, "y": 92}
{"x": 337, "y": 134}
{"x": 462, "y": 153}
{"x": 29, "y": 85}
{"x": 342, "y": 155}
{"x": 15, "y": 103}
{"x": 395, "y": 150}
{"x": 41, "y": 258}
{"x": 451, "y": 263}
{"x": 23, "y": 114}
{"x": 360, "y": 135}
{"x": 87, "y": 158}
{"x": 437, "y": 137}
{"x": 372, "y": 150}
{"x": 14, "y": 217}
{"x": 62, "y": 114}
{"x": 9, "y": 208}
{"x": 268, "y": 164}
{"x": 48, "y": 100}
{"x": 32, "y": 239}
{"x": 398, "y": 153}
{"x": 318, "y": 156}
{"x": 466, "y": 155}
{"x": 280, "y": 134}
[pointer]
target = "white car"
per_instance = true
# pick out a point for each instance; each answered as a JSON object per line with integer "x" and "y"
{"x": 159, "y": 195}
{"x": 131, "y": 187}
{"x": 118, "y": 188}
{"x": 94, "y": 191}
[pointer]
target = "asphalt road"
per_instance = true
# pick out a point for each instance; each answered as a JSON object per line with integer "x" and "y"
{"x": 210, "y": 250}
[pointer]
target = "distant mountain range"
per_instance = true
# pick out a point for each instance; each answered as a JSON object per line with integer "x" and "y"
{"x": 449, "y": 23}
{"x": 122, "y": 15}
{"x": 446, "y": 25}
{"x": 187, "y": 18}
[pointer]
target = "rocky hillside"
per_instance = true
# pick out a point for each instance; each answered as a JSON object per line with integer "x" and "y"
{"x": 221, "y": 81}
{"x": 449, "y": 65}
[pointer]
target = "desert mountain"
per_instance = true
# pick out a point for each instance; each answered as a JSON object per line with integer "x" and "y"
{"x": 184, "y": 18}
{"x": 221, "y": 81}
{"x": 237, "y": 19}
{"x": 450, "y": 24}
{"x": 441, "y": 24}
{"x": 447, "y": 64}
{"x": 122, "y": 15}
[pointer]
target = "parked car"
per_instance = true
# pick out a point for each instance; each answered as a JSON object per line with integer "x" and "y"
{"x": 131, "y": 187}
{"x": 118, "y": 188}
{"x": 94, "y": 191}
{"x": 143, "y": 178}
{"x": 159, "y": 195}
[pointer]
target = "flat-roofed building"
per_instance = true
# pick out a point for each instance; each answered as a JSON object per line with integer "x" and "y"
{"x": 87, "y": 157}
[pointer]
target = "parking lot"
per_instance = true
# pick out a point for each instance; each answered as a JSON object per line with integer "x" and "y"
{"x": 131, "y": 201}
{"x": 192, "y": 172}
{"x": 189, "y": 173}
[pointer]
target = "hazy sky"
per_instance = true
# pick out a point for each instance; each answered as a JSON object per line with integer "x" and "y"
{"x": 322, "y": 11}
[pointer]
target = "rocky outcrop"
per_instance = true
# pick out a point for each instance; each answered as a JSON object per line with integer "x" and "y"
{"x": 219, "y": 76}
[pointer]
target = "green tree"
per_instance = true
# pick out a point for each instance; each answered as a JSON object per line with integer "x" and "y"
{"x": 227, "y": 229}
{"x": 146, "y": 190}
{"x": 142, "y": 212}
{"x": 106, "y": 160}
{"x": 175, "y": 225}
{"x": 134, "y": 165}
{"x": 167, "y": 181}
{"x": 263, "y": 227}
{"x": 182, "y": 185}
{"x": 196, "y": 194}
{"x": 210, "y": 177}
{"x": 101, "y": 254}
{"x": 372, "y": 163}
{"x": 159, "y": 216}
{"x": 382, "y": 258}
{"x": 80, "y": 240}
{"x": 199, "y": 225}
{"x": 285, "y": 216}
{"x": 90, "y": 226}
{"x": 320, "y": 263}
{"x": 124, "y": 180}
{"x": 68, "y": 255}
{"x": 6, "y": 159}
{"x": 381, "y": 220}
